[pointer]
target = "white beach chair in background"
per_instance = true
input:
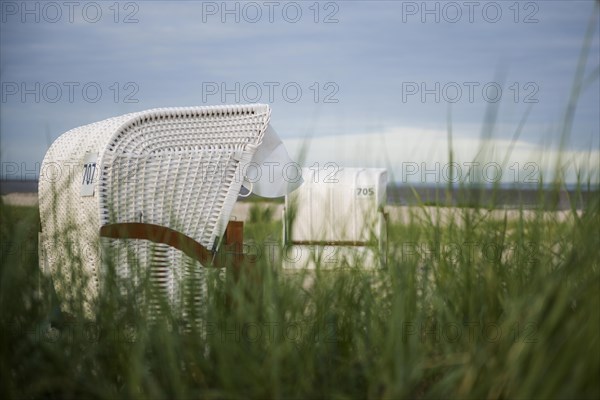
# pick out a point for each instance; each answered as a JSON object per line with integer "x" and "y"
{"x": 337, "y": 218}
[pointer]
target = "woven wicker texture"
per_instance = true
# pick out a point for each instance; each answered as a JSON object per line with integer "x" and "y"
{"x": 181, "y": 168}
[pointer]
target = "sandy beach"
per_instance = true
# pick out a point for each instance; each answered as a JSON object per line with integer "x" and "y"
{"x": 401, "y": 214}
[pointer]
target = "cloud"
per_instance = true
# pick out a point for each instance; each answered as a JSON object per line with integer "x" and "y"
{"x": 422, "y": 156}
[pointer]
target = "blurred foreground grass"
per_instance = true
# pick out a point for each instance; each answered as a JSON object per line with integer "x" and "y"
{"x": 469, "y": 307}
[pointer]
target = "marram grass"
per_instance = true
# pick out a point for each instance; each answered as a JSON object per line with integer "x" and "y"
{"x": 471, "y": 306}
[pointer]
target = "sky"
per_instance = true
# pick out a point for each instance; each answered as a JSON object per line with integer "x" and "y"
{"x": 355, "y": 83}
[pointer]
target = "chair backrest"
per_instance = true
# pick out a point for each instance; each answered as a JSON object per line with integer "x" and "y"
{"x": 180, "y": 168}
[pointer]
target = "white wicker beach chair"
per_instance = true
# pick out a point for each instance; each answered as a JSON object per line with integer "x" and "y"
{"x": 337, "y": 218}
{"x": 156, "y": 187}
